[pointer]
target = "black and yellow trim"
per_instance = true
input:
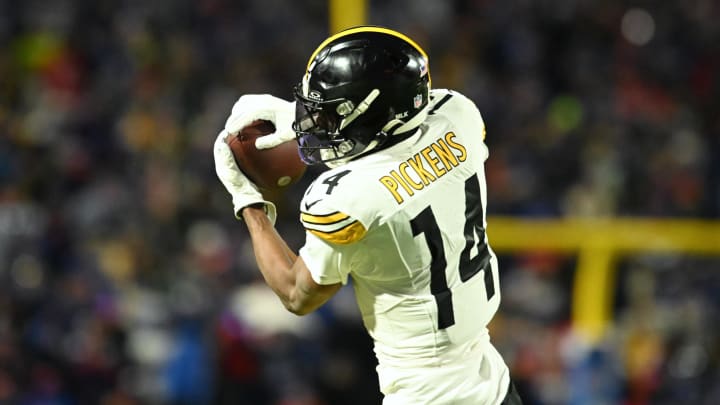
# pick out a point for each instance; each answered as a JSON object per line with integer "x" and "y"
{"x": 325, "y": 219}
{"x": 368, "y": 28}
{"x": 346, "y": 235}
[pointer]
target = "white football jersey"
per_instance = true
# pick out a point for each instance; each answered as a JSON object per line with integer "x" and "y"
{"x": 407, "y": 224}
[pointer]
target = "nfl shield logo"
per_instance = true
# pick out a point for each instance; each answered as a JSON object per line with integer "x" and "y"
{"x": 417, "y": 101}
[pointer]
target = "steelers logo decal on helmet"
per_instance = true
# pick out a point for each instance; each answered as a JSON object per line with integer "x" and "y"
{"x": 362, "y": 86}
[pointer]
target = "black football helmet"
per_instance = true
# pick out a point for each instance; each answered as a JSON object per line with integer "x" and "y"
{"x": 361, "y": 86}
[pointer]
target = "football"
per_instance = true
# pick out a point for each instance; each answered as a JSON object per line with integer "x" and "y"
{"x": 270, "y": 169}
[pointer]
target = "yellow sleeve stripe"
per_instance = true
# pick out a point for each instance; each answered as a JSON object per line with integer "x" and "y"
{"x": 323, "y": 219}
{"x": 346, "y": 235}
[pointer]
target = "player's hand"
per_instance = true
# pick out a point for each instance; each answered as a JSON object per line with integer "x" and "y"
{"x": 244, "y": 193}
{"x": 251, "y": 107}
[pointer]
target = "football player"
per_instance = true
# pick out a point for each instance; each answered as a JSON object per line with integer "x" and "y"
{"x": 401, "y": 211}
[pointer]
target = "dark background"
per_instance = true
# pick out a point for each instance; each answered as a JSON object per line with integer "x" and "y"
{"x": 124, "y": 278}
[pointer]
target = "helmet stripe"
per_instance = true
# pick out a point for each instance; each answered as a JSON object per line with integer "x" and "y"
{"x": 367, "y": 28}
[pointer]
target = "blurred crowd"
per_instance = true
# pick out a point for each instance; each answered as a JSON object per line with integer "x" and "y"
{"x": 124, "y": 278}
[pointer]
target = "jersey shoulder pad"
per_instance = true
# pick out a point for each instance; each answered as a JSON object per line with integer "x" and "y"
{"x": 329, "y": 211}
{"x": 459, "y": 108}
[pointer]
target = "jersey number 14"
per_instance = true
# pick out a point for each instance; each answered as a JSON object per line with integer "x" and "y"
{"x": 474, "y": 233}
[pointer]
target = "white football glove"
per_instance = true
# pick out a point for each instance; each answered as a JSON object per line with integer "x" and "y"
{"x": 251, "y": 107}
{"x": 242, "y": 190}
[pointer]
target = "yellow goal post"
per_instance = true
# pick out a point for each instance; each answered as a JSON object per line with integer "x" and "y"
{"x": 346, "y": 13}
{"x": 598, "y": 243}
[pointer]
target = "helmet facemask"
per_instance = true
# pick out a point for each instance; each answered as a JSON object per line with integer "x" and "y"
{"x": 324, "y": 129}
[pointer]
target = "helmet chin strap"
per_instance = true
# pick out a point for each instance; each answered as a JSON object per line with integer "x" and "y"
{"x": 372, "y": 145}
{"x": 394, "y": 126}
{"x": 360, "y": 109}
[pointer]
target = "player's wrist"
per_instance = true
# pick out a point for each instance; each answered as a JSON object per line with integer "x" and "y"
{"x": 252, "y": 209}
{"x": 249, "y": 211}
{"x": 253, "y": 213}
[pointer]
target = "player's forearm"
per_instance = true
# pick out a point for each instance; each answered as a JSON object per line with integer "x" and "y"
{"x": 274, "y": 257}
